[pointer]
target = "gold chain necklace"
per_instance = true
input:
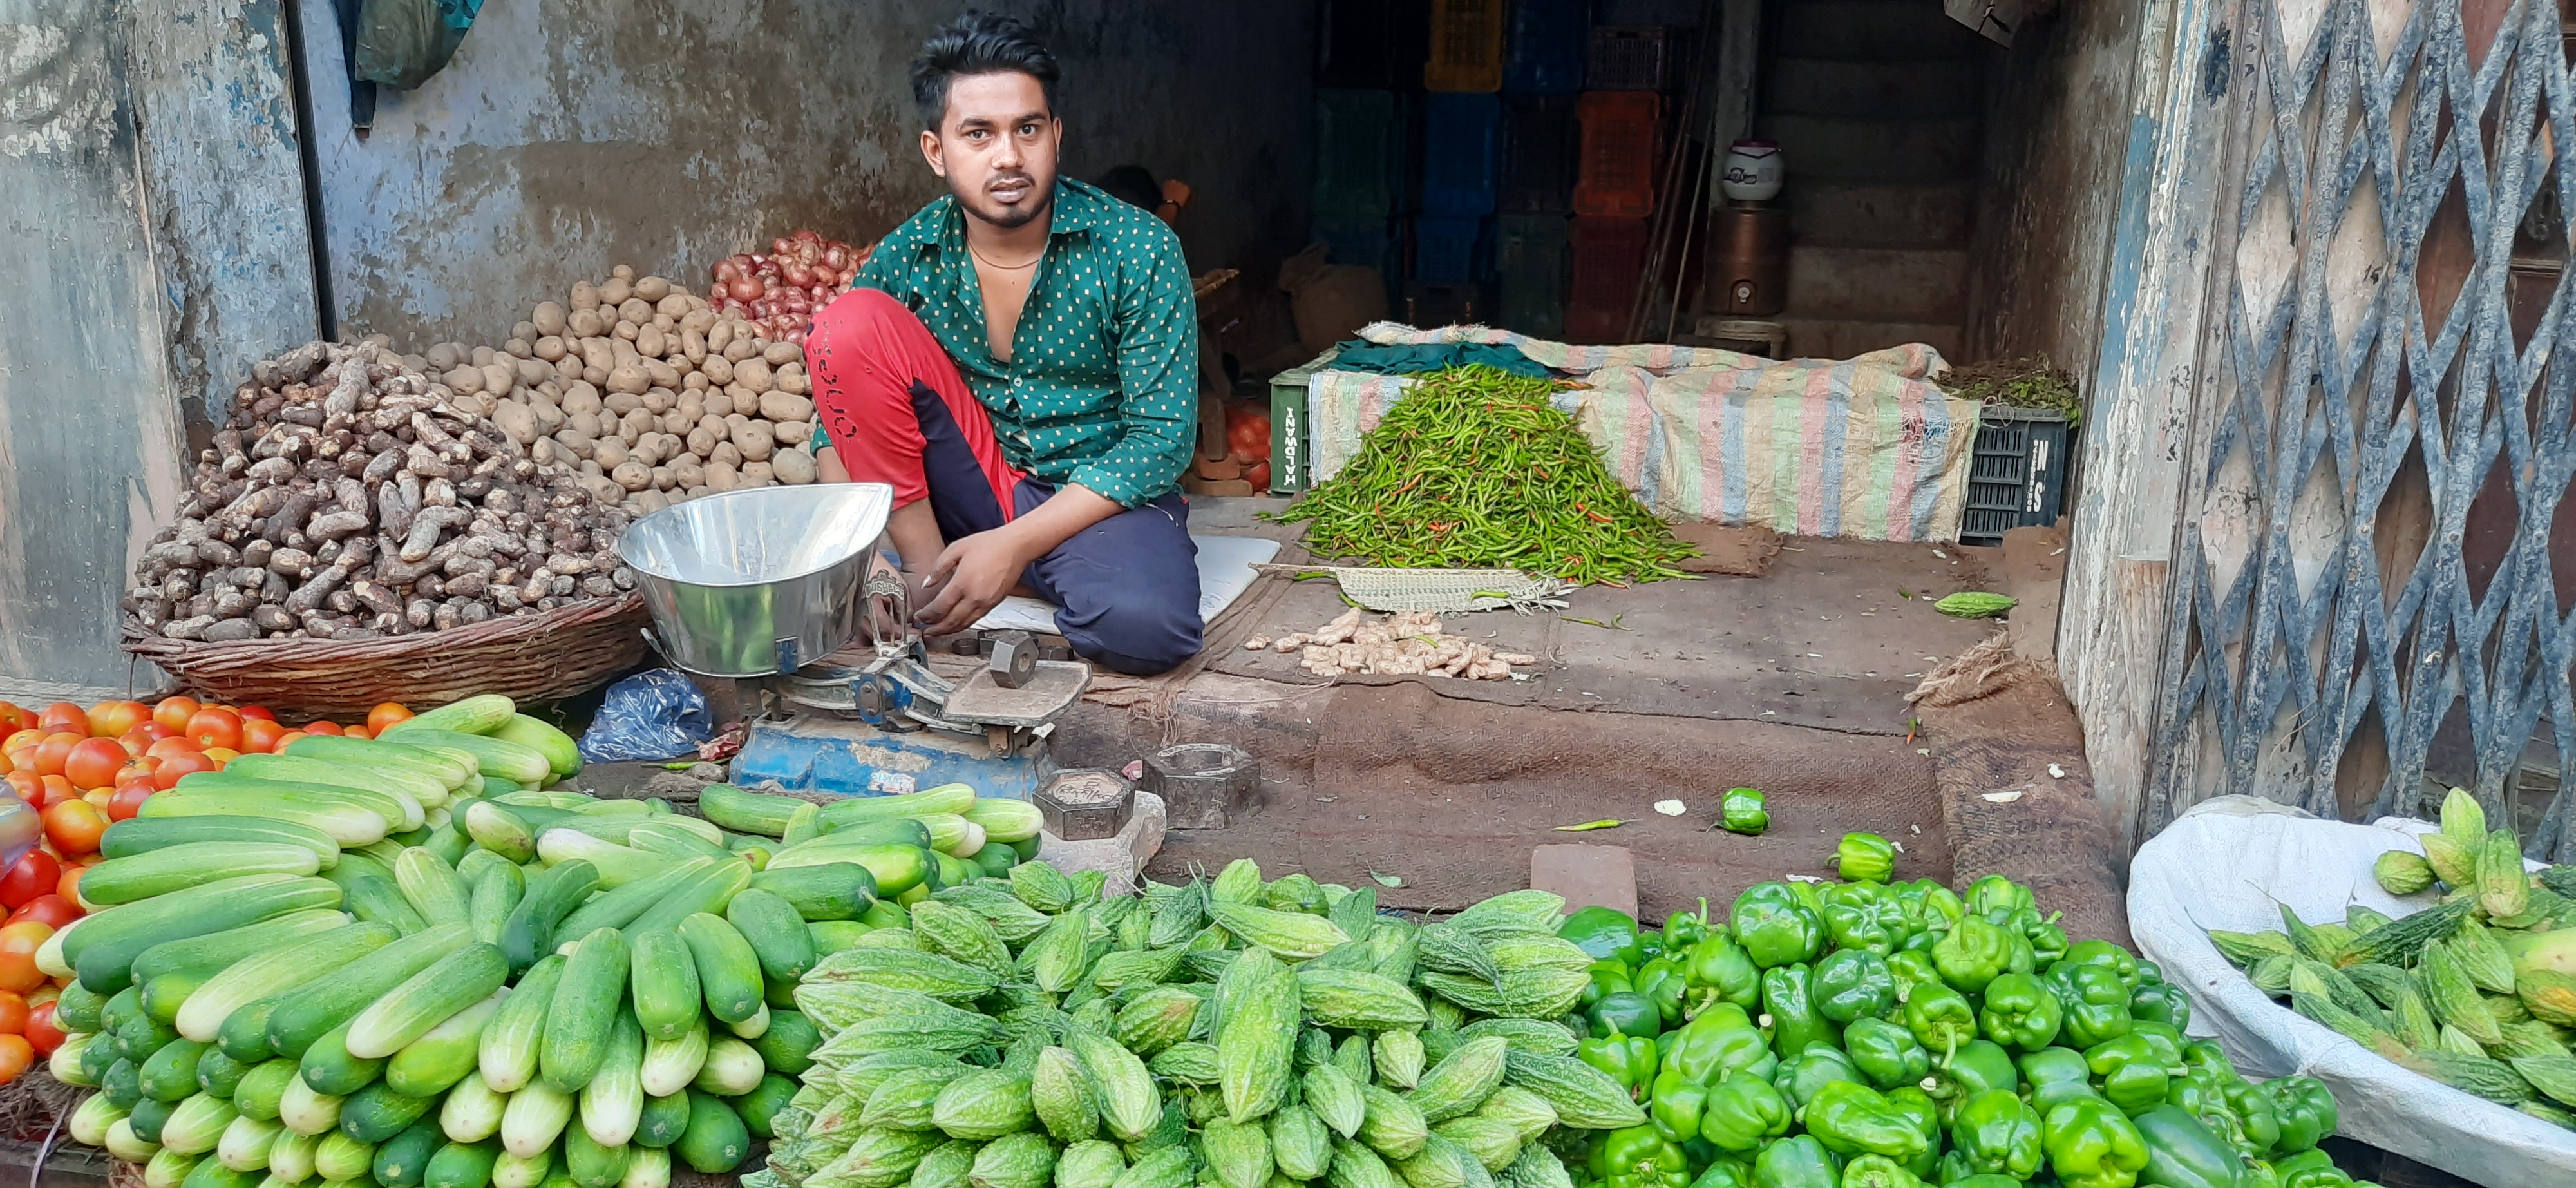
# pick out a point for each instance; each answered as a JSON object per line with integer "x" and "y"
{"x": 980, "y": 258}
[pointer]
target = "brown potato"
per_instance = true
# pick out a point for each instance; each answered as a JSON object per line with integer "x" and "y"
{"x": 648, "y": 341}
{"x": 754, "y": 439}
{"x": 786, "y": 406}
{"x": 687, "y": 474}
{"x": 594, "y": 376}
{"x": 621, "y": 403}
{"x": 638, "y": 420}
{"x": 793, "y": 380}
{"x": 758, "y": 474}
{"x": 720, "y": 335}
{"x": 616, "y": 291}
{"x": 742, "y": 348}
{"x": 662, "y": 374}
{"x": 633, "y": 475}
{"x": 609, "y": 450}
{"x": 569, "y": 367}
{"x": 518, "y": 347}
{"x": 584, "y": 294}
{"x": 717, "y": 369}
{"x": 517, "y": 420}
{"x": 636, "y": 310}
{"x": 652, "y": 288}
{"x": 482, "y": 356}
{"x": 584, "y": 323}
{"x": 792, "y": 433}
{"x": 531, "y": 373}
{"x": 630, "y": 380}
{"x": 465, "y": 379}
{"x": 549, "y": 417}
{"x": 596, "y": 352}
{"x": 793, "y": 467}
{"x": 780, "y": 354}
{"x": 625, "y": 331}
{"x": 581, "y": 397}
{"x": 718, "y": 403}
{"x": 701, "y": 441}
{"x": 692, "y": 405}
{"x": 721, "y": 476}
{"x": 698, "y": 319}
{"x": 586, "y": 424}
{"x": 694, "y": 382}
{"x": 753, "y": 374}
{"x": 497, "y": 378}
{"x": 548, "y": 319}
{"x": 658, "y": 399}
{"x": 726, "y": 454}
{"x": 662, "y": 479}
{"x": 573, "y": 441}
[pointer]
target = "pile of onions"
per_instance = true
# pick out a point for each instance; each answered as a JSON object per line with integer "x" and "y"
{"x": 780, "y": 291}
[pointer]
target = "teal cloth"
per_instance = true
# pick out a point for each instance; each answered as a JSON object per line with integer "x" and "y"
{"x": 1416, "y": 358}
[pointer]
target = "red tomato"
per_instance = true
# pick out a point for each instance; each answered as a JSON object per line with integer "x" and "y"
{"x": 64, "y": 716}
{"x": 93, "y": 763}
{"x": 33, "y": 876}
{"x": 222, "y": 756}
{"x": 13, "y": 1014}
{"x": 260, "y": 712}
{"x": 22, "y": 739}
{"x": 151, "y": 732}
{"x": 321, "y": 726}
{"x": 43, "y": 1034}
{"x": 128, "y": 800}
{"x": 47, "y": 909}
{"x": 57, "y": 790}
{"x": 170, "y": 748}
{"x": 10, "y": 715}
{"x": 74, "y": 827}
{"x": 287, "y": 740}
{"x": 185, "y": 763}
{"x": 56, "y": 750}
{"x": 386, "y": 715}
{"x": 359, "y": 732}
{"x": 215, "y": 726}
{"x": 69, "y": 888}
{"x": 18, "y": 942}
{"x": 259, "y": 735}
{"x": 174, "y": 712}
{"x": 108, "y": 719}
{"x": 15, "y": 1055}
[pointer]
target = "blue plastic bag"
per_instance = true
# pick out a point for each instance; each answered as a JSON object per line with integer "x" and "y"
{"x": 658, "y": 714}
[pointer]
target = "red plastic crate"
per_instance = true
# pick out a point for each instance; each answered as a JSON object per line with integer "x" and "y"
{"x": 1621, "y": 148}
{"x": 1608, "y": 257}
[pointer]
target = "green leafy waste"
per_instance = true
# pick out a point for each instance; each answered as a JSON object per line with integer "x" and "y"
{"x": 1475, "y": 469}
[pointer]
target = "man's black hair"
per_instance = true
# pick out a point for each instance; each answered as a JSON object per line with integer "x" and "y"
{"x": 1133, "y": 185}
{"x": 977, "y": 43}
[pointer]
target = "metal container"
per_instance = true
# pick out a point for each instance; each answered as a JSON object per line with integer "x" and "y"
{"x": 1747, "y": 270}
{"x": 1203, "y": 785}
{"x": 758, "y": 582}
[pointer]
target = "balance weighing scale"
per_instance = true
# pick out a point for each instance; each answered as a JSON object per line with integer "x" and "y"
{"x": 768, "y": 588}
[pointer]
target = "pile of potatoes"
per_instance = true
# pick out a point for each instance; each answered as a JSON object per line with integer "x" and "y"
{"x": 648, "y": 392}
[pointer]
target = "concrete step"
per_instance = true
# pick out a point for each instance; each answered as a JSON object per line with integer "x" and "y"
{"x": 1827, "y": 338}
{"x": 1878, "y": 284}
{"x": 1948, "y": 88}
{"x": 1839, "y": 149}
{"x": 1872, "y": 31}
{"x": 1831, "y": 215}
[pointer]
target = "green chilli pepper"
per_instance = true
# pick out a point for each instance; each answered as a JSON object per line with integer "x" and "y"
{"x": 1721, "y": 972}
{"x": 1940, "y": 1017}
{"x": 1854, "y": 1119}
{"x": 1973, "y": 954}
{"x": 1995, "y": 1133}
{"x": 1742, "y": 812}
{"x": 1797, "y": 1162}
{"x": 2096, "y": 1004}
{"x": 1886, "y": 1053}
{"x": 2304, "y": 1109}
{"x": 1788, "y": 998}
{"x": 1743, "y": 1112}
{"x": 2092, "y": 1145}
{"x": 2020, "y": 1013}
{"x": 1775, "y": 926}
{"x": 1865, "y": 856}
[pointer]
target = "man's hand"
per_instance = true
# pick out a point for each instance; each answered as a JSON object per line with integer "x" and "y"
{"x": 970, "y": 578}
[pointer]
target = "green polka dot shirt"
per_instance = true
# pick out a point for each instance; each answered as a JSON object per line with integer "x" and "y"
{"x": 1102, "y": 386}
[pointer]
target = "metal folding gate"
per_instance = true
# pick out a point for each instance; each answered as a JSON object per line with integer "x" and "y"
{"x": 2366, "y": 604}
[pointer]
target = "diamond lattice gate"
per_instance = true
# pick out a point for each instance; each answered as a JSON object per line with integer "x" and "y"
{"x": 2367, "y": 604}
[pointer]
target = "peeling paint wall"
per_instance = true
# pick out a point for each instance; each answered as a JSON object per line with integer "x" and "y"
{"x": 2057, "y": 120}
{"x": 571, "y": 135}
{"x": 89, "y": 431}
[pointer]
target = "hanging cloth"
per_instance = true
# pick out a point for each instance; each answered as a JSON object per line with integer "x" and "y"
{"x": 1417, "y": 358}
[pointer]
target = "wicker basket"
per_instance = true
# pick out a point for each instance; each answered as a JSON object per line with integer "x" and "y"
{"x": 555, "y": 653}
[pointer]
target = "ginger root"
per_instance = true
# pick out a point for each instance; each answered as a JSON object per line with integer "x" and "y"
{"x": 1408, "y": 643}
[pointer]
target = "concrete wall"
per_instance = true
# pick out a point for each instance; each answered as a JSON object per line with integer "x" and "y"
{"x": 571, "y": 135}
{"x": 2057, "y": 115}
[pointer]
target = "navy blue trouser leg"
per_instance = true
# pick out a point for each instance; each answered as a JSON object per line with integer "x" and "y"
{"x": 1127, "y": 587}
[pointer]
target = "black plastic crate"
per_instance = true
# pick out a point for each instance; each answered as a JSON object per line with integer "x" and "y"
{"x": 1540, "y": 144}
{"x": 1634, "y": 58}
{"x": 2016, "y": 474}
{"x": 1372, "y": 44}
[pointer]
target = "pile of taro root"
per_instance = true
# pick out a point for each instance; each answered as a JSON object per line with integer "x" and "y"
{"x": 353, "y": 496}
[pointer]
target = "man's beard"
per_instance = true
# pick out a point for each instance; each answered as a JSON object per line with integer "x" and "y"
{"x": 1020, "y": 214}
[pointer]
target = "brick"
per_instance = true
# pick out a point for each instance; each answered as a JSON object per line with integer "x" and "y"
{"x": 1587, "y": 876}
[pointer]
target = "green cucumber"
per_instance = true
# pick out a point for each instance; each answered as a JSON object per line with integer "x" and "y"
{"x": 716, "y": 1140}
{"x": 590, "y": 1164}
{"x": 430, "y": 885}
{"x": 707, "y": 891}
{"x": 338, "y": 1159}
{"x": 461, "y": 1165}
{"x": 377, "y": 900}
{"x": 760, "y": 1105}
{"x": 507, "y": 1053}
{"x": 446, "y": 1053}
{"x": 143, "y": 835}
{"x": 728, "y": 969}
{"x": 479, "y": 714}
{"x": 450, "y": 770}
{"x": 472, "y": 1111}
{"x": 104, "y": 946}
{"x": 584, "y": 1010}
{"x": 563, "y": 755}
{"x": 747, "y": 812}
{"x": 261, "y": 1088}
{"x": 328, "y": 1068}
{"x": 170, "y": 868}
{"x": 403, "y": 1157}
{"x": 665, "y": 1119}
{"x": 400, "y": 809}
{"x": 171, "y": 1073}
{"x": 612, "y": 1104}
{"x": 529, "y": 932}
{"x": 664, "y": 980}
{"x": 377, "y": 1114}
{"x": 620, "y": 907}
{"x": 344, "y": 821}
{"x": 500, "y": 829}
{"x": 219, "y": 1075}
{"x": 947, "y": 798}
{"x": 492, "y": 756}
{"x": 320, "y": 1006}
{"x": 895, "y": 868}
{"x": 464, "y": 977}
{"x": 494, "y": 888}
{"x": 788, "y": 1046}
{"x": 776, "y": 932}
{"x": 427, "y": 789}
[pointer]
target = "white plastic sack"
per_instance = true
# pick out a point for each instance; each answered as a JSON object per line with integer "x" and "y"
{"x": 2231, "y": 863}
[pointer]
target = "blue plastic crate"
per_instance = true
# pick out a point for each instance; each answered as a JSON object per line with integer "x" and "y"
{"x": 1452, "y": 250}
{"x": 1360, "y": 152}
{"x": 1546, "y": 49}
{"x": 1462, "y": 154}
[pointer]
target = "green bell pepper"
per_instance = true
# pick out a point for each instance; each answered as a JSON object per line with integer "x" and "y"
{"x": 1629, "y": 1060}
{"x": 1928, "y": 904}
{"x": 1995, "y": 891}
{"x": 2310, "y": 1169}
{"x": 1789, "y": 1003}
{"x": 1925, "y": 1113}
{"x": 1674, "y": 1105}
{"x": 1878, "y": 1171}
{"x": 1922, "y": 942}
{"x": 1853, "y": 984}
{"x": 2167, "y": 1042}
{"x": 2092, "y": 1145}
{"x": 1640, "y": 1157}
{"x": 1863, "y": 916}
{"x": 1801, "y": 1079}
{"x": 1982, "y": 1181}
{"x": 1997, "y": 1134}
{"x": 2252, "y": 1107}
{"x": 1978, "y": 1066}
{"x": 1913, "y": 967}
{"x": 1684, "y": 930}
{"x": 2096, "y": 1004}
{"x": 1742, "y": 812}
{"x": 2046, "y": 939}
{"x": 1650, "y": 945}
{"x": 1854, "y": 1119}
{"x": 1865, "y": 856}
{"x": 2055, "y": 1075}
{"x": 1775, "y": 926}
{"x": 2110, "y": 956}
{"x": 1743, "y": 1112}
{"x": 1721, "y": 972}
{"x": 1627, "y": 1013}
{"x": 1797, "y": 1162}
{"x": 1606, "y": 978}
{"x": 1940, "y": 1017}
{"x": 2129, "y": 1072}
{"x": 1973, "y": 954}
{"x": 2304, "y": 1109}
{"x": 2182, "y": 1153}
{"x": 1725, "y": 1173}
{"x": 1608, "y": 934}
{"x": 1719, "y": 1043}
{"x": 1886, "y": 1053}
{"x": 1664, "y": 982}
{"x": 2021, "y": 1013}
{"x": 2161, "y": 1003}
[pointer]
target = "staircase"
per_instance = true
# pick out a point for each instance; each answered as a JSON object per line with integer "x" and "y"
{"x": 1878, "y": 108}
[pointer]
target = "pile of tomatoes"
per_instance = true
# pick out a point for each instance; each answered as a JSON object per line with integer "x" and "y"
{"x": 1247, "y": 440}
{"x": 81, "y": 770}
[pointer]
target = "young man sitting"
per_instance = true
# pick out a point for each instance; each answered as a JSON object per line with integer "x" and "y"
{"x": 1020, "y": 362}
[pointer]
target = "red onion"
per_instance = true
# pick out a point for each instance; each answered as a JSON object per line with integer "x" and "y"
{"x": 796, "y": 301}
{"x": 778, "y": 247}
{"x": 836, "y": 257}
{"x": 746, "y": 288}
{"x": 797, "y": 275}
